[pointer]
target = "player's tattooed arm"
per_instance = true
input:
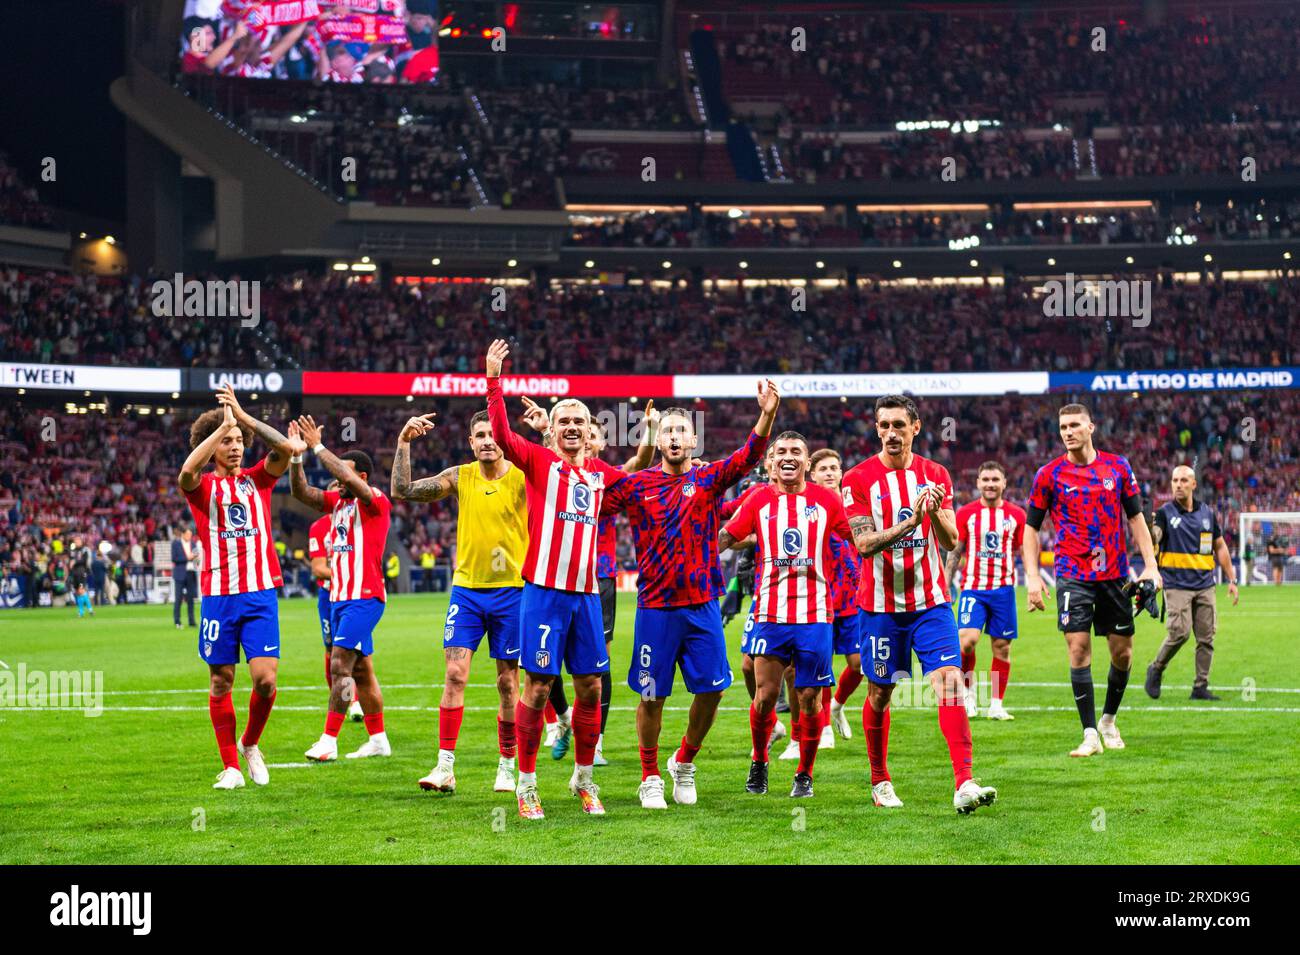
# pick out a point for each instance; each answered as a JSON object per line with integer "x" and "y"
{"x": 282, "y": 448}
{"x": 953, "y": 562}
{"x": 870, "y": 541}
{"x": 725, "y": 541}
{"x": 401, "y": 486}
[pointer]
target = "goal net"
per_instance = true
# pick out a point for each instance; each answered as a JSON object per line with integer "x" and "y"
{"x": 1267, "y": 544}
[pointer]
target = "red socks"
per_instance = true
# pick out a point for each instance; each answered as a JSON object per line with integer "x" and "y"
{"x": 760, "y": 728}
{"x": 328, "y": 679}
{"x": 999, "y": 675}
{"x": 875, "y": 727}
{"x": 968, "y": 667}
{"x": 449, "y": 718}
{"x": 850, "y": 680}
{"x": 374, "y": 723}
{"x": 334, "y": 723}
{"x": 506, "y": 737}
{"x": 221, "y": 709}
{"x": 259, "y": 709}
{"x": 687, "y": 753}
{"x": 808, "y": 742}
{"x": 586, "y": 731}
{"x": 956, "y": 730}
{"x": 824, "y": 717}
{"x": 528, "y": 735}
{"x": 551, "y": 715}
{"x": 649, "y": 761}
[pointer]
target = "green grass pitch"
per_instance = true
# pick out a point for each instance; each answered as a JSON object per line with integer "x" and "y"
{"x": 1198, "y": 783}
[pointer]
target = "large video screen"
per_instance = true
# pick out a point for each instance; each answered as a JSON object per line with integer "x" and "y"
{"x": 357, "y": 41}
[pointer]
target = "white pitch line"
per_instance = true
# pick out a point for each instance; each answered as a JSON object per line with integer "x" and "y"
{"x": 632, "y": 709}
{"x": 288, "y": 765}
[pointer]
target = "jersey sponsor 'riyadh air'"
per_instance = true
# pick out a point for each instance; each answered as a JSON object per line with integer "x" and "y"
{"x": 908, "y": 575}
{"x": 357, "y": 545}
{"x": 1087, "y": 504}
{"x": 793, "y": 558}
{"x": 563, "y": 505}
{"x": 233, "y": 518}
{"x": 992, "y": 536}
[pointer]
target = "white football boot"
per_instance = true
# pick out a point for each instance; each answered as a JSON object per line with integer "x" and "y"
{"x": 442, "y": 777}
{"x": 1091, "y": 745}
{"x": 505, "y": 781}
{"x": 683, "y": 775}
{"x": 584, "y": 787}
{"x": 324, "y": 750}
{"x": 256, "y": 764}
{"x": 839, "y": 720}
{"x": 997, "y": 711}
{"x": 970, "y": 795}
{"x": 972, "y": 703}
{"x": 1109, "y": 732}
{"x": 651, "y": 793}
{"x": 883, "y": 795}
{"x": 791, "y": 750}
{"x": 229, "y": 778}
{"x": 355, "y": 713}
{"x": 828, "y": 737}
{"x": 377, "y": 745}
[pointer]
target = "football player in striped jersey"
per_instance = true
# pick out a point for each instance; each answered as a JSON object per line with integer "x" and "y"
{"x": 231, "y": 506}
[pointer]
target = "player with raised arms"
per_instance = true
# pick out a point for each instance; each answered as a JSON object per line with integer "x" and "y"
{"x": 990, "y": 532}
{"x": 318, "y": 552}
{"x": 900, "y": 508}
{"x": 606, "y": 559}
{"x": 491, "y": 541}
{"x": 231, "y": 506}
{"x": 1086, "y": 491}
{"x": 794, "y": 522}
{"x": 360, "y": 516}
{"x": 674, "y": 513}
{"x": 560, "y": 605}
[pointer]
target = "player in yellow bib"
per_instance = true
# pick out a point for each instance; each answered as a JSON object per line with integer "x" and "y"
{"x": 491, "y": 542}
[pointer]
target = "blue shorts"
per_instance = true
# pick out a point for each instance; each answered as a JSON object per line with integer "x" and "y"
{"x": 493, "y": 611}
{"x": 747, "y": 632}
{"x": 353, "y": 622}
{"x": 993, "y": 611}
{"x": 687, "y": 637}
{"x": 558, "y": 626}
{"x": 847, "y": 640}
{"x": 323, "y": 609}
{"x": 807, "y": 645}
{"x": 233, "y": 621}
{"x": 889, "y": 639}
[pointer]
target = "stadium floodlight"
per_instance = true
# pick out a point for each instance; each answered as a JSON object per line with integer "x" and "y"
{"x": 512, "y": 263}
{"x": 590, "y": 263}
{"x": 437, "y": 261}
{"x": 744, "y": 264}
{"x": 821, "y": 264}
{"x": 667, "y": 264}
{"x": 897, "y": 264}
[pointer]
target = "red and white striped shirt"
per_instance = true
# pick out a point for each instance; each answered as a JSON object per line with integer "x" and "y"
{"x": 909, "y": 575}
{"x": 357, "y": 536}
{"x": 318, "y": 541}
{"x": 992, "y": 536}
{"x": 563, "y": 505}
{"x": 793, "y": 562}
{"x": 233, "y": 518}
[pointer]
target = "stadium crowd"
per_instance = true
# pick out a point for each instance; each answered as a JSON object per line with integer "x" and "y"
{"x": 326, "y": 323}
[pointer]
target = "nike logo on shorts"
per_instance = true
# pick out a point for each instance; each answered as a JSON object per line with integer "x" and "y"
{"x": 269, "y": 649}
{"x": 515, "y": 650}
{"x": 603, "y": 662}
{"x": 951, "y": 656}
{"x": 723, "y": 680}
{"x": 824, "y": 677}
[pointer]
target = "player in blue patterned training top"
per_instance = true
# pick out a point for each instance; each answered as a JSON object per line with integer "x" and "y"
{"x": 674, "y": 511}
{"x": 1090, "y": 495}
